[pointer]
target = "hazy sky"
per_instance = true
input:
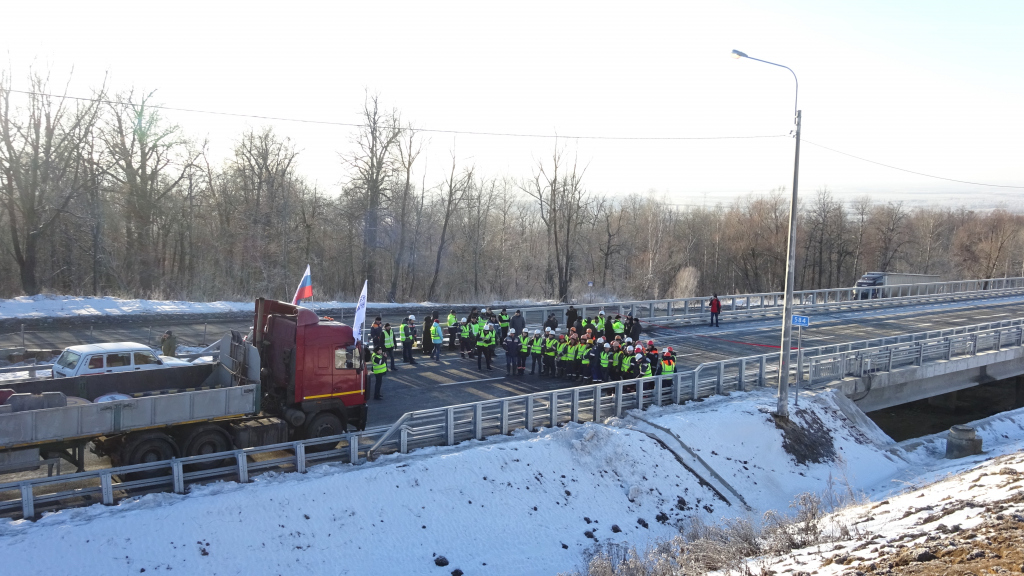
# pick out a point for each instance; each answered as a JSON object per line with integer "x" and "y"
{"x": 931, "y": 86}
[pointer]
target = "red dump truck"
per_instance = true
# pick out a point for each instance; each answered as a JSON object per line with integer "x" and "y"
{"x": 293, "y": 377}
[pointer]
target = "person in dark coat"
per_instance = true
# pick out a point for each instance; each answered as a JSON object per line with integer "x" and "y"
{"x": 551, "y": 322}
{"x": 377, "y": 334}
{"x": 518, "y": 321}
{"x": 634, "y": 330}
{"x": 426, "y": 344}
{"x": 716, "y": 309}
{"x": 571, "y": 316}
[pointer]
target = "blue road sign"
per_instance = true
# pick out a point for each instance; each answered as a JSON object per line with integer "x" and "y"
{"x": 801, "y": 321}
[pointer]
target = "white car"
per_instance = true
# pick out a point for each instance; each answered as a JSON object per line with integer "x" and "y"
{"x": 109, "y": 358}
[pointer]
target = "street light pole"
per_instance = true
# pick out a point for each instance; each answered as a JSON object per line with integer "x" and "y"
{"x": 786, "y": 344}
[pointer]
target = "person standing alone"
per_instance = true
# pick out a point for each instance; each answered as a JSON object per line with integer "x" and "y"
{"x": 437, "y": 339}
{"x": 716, "y": 309}
{"x": 379, "y": 366}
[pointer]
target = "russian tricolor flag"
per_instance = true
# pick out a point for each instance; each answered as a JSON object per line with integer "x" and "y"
{"x": 305, "y": 289}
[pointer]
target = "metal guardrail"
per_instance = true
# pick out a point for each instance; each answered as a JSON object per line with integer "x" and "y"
{"x": 454, "y": 424}
{"x": 769, "y": 304}
{"x": 30, "y": 368}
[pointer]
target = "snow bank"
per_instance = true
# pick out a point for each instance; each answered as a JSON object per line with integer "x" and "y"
{"x": 525, "y": 504}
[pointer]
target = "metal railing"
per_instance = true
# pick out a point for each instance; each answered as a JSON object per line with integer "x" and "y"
{"x": 769, "y": 304}
{"x": 451, "y": 425}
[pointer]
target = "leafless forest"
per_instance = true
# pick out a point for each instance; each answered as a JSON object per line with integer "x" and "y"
{"x": 105, "y": 197}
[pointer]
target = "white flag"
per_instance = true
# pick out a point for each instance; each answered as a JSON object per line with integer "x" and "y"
{"x": 357, "y": 325}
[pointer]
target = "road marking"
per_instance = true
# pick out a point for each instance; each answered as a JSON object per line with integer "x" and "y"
{"x": 471, "y": 381}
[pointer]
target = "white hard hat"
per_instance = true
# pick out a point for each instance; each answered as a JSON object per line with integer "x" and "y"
{"x": 664, "y": 350}
{"x": 600, "y": 340}
{"x": 629, "y": 349}
{"x": 511, "y": 330}
{"x": 536, "y": 332}
{"x": 464, "y": 320}
{"x": 628, "y": 339}
{"x": 412, "y": 317}
{"x": 601, "y": 313}
{"x": 639, "y": 357}
{"x": 488, "y": 326}
{"x": 607, "y": 346}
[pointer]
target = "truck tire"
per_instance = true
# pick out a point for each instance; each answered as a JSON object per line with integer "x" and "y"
{"x": 321, "y": 425}
{"x": 145, "y": 448}
{"x": 204, "y": 440}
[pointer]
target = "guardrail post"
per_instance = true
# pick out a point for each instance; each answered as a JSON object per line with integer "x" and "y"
{"x": 529, "y": 413}
{"x": 694, "y": 385}
{"x": 504, "y": 417}
{"x": 686, "y": 308}
{"x": 106, "y": 489}
{"x": 640, "y": 393}
{"x": 677, "y": 396}
{"x": 720, "y": 381}
{"x": 300, "y": 457}
{"x": 760, "y": 372}
{"x": 999, "y": 340}
{"x": 920, "y": 354}
{"x": 353, "y": 449}
{"x": 28, "y": 503}
{"x": 179, "y": 476}
{"x": 742, "y": 374}
{"x": 242, "y": 462}
{"x": 974, "y": 344}
{"x": 668, "y": 308}
{"x": 575, "y": 409}
{"x": 618, "y": 399}
{"x": 597, "y": 403}
{"x": 657, "y": 390}
{"x": 449, "y": 425}
{"x": 478, "y": 421}
{"x": 553, "y": 409}
{"x": 403, "y": 445}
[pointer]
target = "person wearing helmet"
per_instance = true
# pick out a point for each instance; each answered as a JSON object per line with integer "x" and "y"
{"x": 511, "y": 345}
{"x": 668, "y": 363}
{"x": 379, "y": 367}
{"x": 453, "y": 330}
{"x": 436, "y": 340}
{"x": 589, "y": 361}
{"x": 629, "y": 340}
{"x": 618, "y": 328}
{"x": 485, "y": 347}
{"x": 407, "y": 334}
{"x": 465, "y": 337}
{"x": 550, "y": 349}
{"x": 626, "y": 364}
{"x": 643, "y": 366}
{"x": 605, "y": 360}
{"x": 560, "y": 359}
{"x": 524, "y": 349}
{"x": 536, "y": 353}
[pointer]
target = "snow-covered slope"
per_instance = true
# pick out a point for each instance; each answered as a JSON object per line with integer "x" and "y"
{"x": 525, "y": 504}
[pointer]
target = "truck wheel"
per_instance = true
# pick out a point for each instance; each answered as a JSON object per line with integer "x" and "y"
{"x": 322, "y": 425}
{"x": 147, "y": 448}
{"x": 206, "y": 440}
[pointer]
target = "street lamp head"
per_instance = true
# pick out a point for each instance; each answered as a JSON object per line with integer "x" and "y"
{"x": 737, "y": 54}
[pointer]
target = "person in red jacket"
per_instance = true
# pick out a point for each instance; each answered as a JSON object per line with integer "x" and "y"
{"x": 716, "y": 309}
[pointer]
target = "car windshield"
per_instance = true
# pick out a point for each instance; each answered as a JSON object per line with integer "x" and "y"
{"x": 69, "y": 359}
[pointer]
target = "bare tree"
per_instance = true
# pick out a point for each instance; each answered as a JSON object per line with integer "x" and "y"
{"x": 408, "y": 150}
{"x": 563, "y": 205}
{"x": 371, "y": 165}
{"x": 42, "y": 165}
{"x": 452, "y": 193}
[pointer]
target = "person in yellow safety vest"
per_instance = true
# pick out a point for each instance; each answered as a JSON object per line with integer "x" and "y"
{"x": 583, "y": 352}
{"x": 577, "y": 359}
{"x": 485, "y": 346}
{"x": 407, "y": 335}
{"x": 453, "y": 329}
{"x": 465, "y": 338}
{"x": 668, "y": 363}
{"x": 626, "y": 364}
{"x": 618, "y": 328}
{"x": 379, "y": 367}
{"x": 570, "y": 356}
{"x": 389, "y": 344}
{"x": 606, "y": 357}
{"x": 550, "y": 349}
{"x": 643, "y": 366}
{"x": 503, "y": 319}
{"x": 615, "y": 361}
{"x": 524, "y": 351}
{"x": 560, "y": 355}
{"x": 536, "y": 349}
{"x": 599, "y": 323}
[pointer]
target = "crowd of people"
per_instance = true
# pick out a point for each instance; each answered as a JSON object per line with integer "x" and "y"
{"x": 590, "y": 349}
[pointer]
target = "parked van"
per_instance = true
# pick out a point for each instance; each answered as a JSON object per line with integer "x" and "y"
{"x": 108, "y": 358}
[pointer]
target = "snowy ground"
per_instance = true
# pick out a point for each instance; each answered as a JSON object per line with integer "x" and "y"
{"x": 525, "y": 504}
{"x": 49, "y": 305}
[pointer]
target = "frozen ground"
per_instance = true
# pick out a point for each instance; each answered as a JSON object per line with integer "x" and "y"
{"x": 526, "y": 504}
{"x": 49, "y": 305}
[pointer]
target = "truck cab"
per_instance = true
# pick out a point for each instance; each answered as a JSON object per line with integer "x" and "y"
{"x": 312, "y": 371}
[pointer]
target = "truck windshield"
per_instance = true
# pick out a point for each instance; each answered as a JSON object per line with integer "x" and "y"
{"x": 69, "y": 359}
